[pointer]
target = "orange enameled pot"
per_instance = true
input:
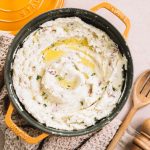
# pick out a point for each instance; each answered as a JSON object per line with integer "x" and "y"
{"x": 90, "y": 18}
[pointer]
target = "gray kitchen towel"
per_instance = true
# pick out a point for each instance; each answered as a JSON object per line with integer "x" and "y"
{"x": 95, "y": 141}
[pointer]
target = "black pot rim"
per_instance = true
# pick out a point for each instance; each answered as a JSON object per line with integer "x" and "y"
{"x": 29, "y": 27}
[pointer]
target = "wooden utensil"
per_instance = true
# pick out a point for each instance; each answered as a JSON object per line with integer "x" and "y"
{"x": 142, "y": 140}
{"x": 141, "y": 97}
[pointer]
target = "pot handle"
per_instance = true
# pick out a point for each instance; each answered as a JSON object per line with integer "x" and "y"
{"x": 19, "y": 132}
{"x": 116, "y": 12}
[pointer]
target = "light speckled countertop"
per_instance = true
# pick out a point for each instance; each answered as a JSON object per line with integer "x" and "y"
{"x": 138, "y": 40}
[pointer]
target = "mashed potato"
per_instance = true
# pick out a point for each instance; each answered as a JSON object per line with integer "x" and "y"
{"x": 68, "y": 74}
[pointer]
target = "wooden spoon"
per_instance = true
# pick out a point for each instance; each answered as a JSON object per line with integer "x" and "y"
{"x": 141, "y": 97}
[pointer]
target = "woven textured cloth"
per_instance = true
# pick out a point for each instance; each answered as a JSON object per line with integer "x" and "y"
{"x": 94, "y": 141}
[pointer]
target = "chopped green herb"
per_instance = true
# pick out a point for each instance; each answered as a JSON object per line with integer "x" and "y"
{"x": 114, "y": 89}
{"x": 38, "y": 77}
{"x": 59, "y": 78}
{"x": 65, "y": 29}
{"x": 76, "y": 67}
{"x": 52, "y": 45}
{"x": 99, "y": 98}
{"x": 45, "y": 97}
{"x": 43, "y": 93}
{"x": 52, "y": 117}
{"x": 45, "y": 105}
{"x": 81, "y": 102}
{"x": 93, "y": 74}
{"x": 95, "y": 119}
{"x": 108, "y": 82}
{"x": 104, "y": 88}
{"x": 82, "y": 122}
{"x": 68, "y": 86}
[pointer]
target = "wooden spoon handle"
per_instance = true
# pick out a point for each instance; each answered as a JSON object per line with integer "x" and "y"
{"x": 122, "y": 128}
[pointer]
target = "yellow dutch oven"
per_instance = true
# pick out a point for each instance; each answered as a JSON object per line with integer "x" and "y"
{"x": 89, "y": 17}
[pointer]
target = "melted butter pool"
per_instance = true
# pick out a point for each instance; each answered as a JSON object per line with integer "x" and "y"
{"x": 51, "y": 53}
{"x": 74, "y": 44}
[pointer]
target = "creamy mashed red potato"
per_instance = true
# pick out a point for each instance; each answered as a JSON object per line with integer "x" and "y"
{"x": 68, "y": 74}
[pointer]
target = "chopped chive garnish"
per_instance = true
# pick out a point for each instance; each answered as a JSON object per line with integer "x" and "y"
{"x": 43, "y": 93}
{"x": 104, "y": 88}
{"x": 52, "y": 45}
{"x": 45, "y": 97}
{"x": 60, "y": 78}
{"x": 45, "y": 105}
{"x": 81, "y": 102}
{"x": 93, "y": 74}
{"x": 99, "y": 98}
{"x": 76, "y": 67}
{"x": 38, "y": 77}
{"x": 114, "y": 89}
{"x": 95, "y": 119}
